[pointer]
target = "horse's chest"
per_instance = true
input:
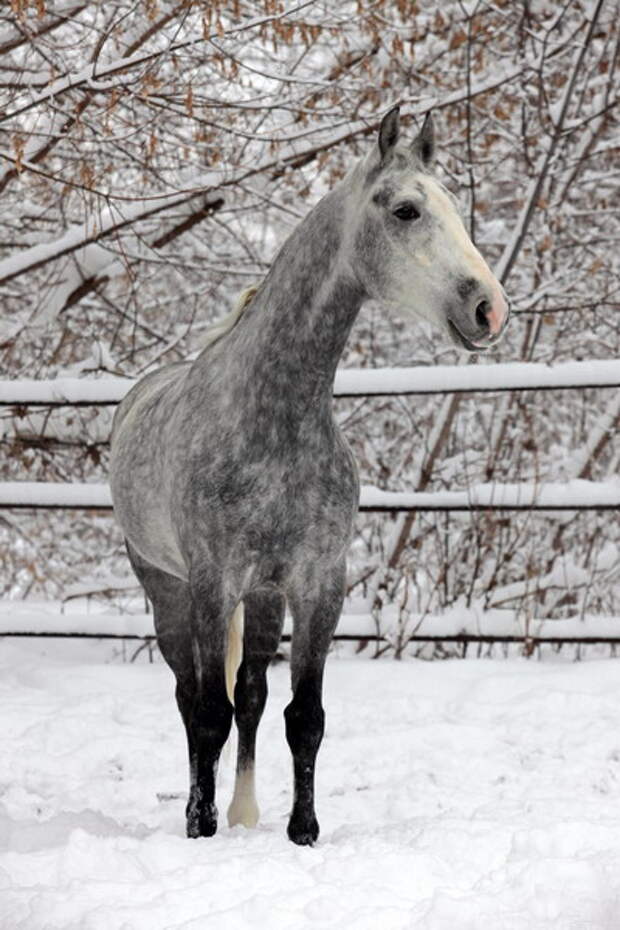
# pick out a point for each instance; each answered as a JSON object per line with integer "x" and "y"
{"x": 306, "y": 515}
{"x": 279, "y": 510}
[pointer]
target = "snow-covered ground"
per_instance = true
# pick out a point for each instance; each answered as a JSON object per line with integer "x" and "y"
{"x": 456, "y": 795}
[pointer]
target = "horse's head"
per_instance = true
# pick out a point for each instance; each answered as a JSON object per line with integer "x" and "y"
{"x": 409, "y": 246}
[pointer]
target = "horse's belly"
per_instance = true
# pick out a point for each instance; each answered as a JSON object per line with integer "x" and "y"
{"x": 140, "y": 482}
{"x": 147, "y": 526}
{"x": 157, "y": 544}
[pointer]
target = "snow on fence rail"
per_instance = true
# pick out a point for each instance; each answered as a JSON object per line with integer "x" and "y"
{"x": 574, "y": 495}
{"x": 462, "y": 627}
{"x": 458, "y": 625}
{"x": 565, "y": 496}
{"x": 351, "y": 382}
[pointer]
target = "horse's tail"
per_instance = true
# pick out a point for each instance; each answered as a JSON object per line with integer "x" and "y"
{"x": 234, "y": 650}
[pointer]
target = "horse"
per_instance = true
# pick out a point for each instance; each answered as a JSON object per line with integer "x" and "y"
{"x": 233, "y": 486}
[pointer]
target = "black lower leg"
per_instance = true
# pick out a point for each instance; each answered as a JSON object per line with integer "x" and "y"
{"x": 316, "y": 606}
{"x": 172, "y": 607}
{"x": 211, "y": 713}
{"x": 305, "y": 721}
{"x": 250, "y": 698}
{"x": 211, "y": 719}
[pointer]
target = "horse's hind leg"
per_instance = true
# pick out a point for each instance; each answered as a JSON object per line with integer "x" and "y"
{"x": 212, "y": 607}
{"x": 191, "y": 621}
{"x": 263, "y": 619}
{"x": 171, "y": 602}
{"x": 316, "y": 607}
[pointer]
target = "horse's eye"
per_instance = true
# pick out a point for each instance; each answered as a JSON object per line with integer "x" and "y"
{"x": 407, "y": 211}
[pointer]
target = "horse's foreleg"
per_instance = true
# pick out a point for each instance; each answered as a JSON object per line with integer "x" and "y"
{"x": 315, "y": 615}
{"x": 263, "y": 619}
{"x": 210, "y": 717}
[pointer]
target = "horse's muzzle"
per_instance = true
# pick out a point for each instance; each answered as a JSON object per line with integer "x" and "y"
{"x": 490, "y": 327}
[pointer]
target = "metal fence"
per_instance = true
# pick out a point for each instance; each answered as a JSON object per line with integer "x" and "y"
{"x": 18, "y": 395}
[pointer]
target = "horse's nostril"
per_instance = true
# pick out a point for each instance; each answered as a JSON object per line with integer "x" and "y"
{"x": 482, "y": 314}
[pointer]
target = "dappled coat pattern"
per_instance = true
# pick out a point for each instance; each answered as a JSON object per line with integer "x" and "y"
{"x": 232, "y": 482}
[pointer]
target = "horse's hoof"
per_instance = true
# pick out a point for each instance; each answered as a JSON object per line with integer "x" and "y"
{"x": 201, "y": 826}
{"x": 303, "y": 833}
{"x": 243, "y": 811}
{"x": 201, "y": 821}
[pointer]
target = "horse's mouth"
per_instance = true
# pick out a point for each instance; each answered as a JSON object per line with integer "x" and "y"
{"x": 460, "y": 340}
{"x": 489, "y": 341}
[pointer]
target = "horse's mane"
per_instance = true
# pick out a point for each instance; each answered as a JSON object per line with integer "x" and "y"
{"x": 222, "y": 327}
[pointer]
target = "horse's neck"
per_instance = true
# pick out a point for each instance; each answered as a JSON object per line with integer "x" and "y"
{"x": 293, "y": 333}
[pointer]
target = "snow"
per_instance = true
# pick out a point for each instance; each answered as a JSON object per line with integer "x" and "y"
{"x": 500, "y": 377}
{"x": 78, "y": 615}
{"x": 355, "y": 381}
{"x": 567, "y": 495}
{"x": 598, "y": 433}
{"x": 457, "y": 794}
{"x": 104, "y": 222}
{"x": 110, "y": 389}
{"x": 54, "y": 494}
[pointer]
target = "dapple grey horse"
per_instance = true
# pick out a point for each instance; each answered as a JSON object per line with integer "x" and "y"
{"x": 233, "y": 484}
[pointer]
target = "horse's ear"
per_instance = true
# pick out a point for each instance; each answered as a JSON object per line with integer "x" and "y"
{"x": 424, "y": 143}
{"x": 388, "y": 131}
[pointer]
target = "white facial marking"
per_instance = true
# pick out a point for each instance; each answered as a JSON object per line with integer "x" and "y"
{"x": 444, "y": 252}
{"x": 462, "y": 248}
{"x": 441, "y": 205}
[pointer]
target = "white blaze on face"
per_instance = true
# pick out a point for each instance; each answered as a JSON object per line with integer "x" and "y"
{"x": 460, "y": 254}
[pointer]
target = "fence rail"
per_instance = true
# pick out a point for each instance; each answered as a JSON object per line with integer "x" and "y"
{"x": 468, "y": 378}
{"x": 576, "y": 495}
{"x": 457, "y": 626}
{"x": 567, "y": 496}
{"x": 351, "y": 382}
{"x": 462, "y": 639}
